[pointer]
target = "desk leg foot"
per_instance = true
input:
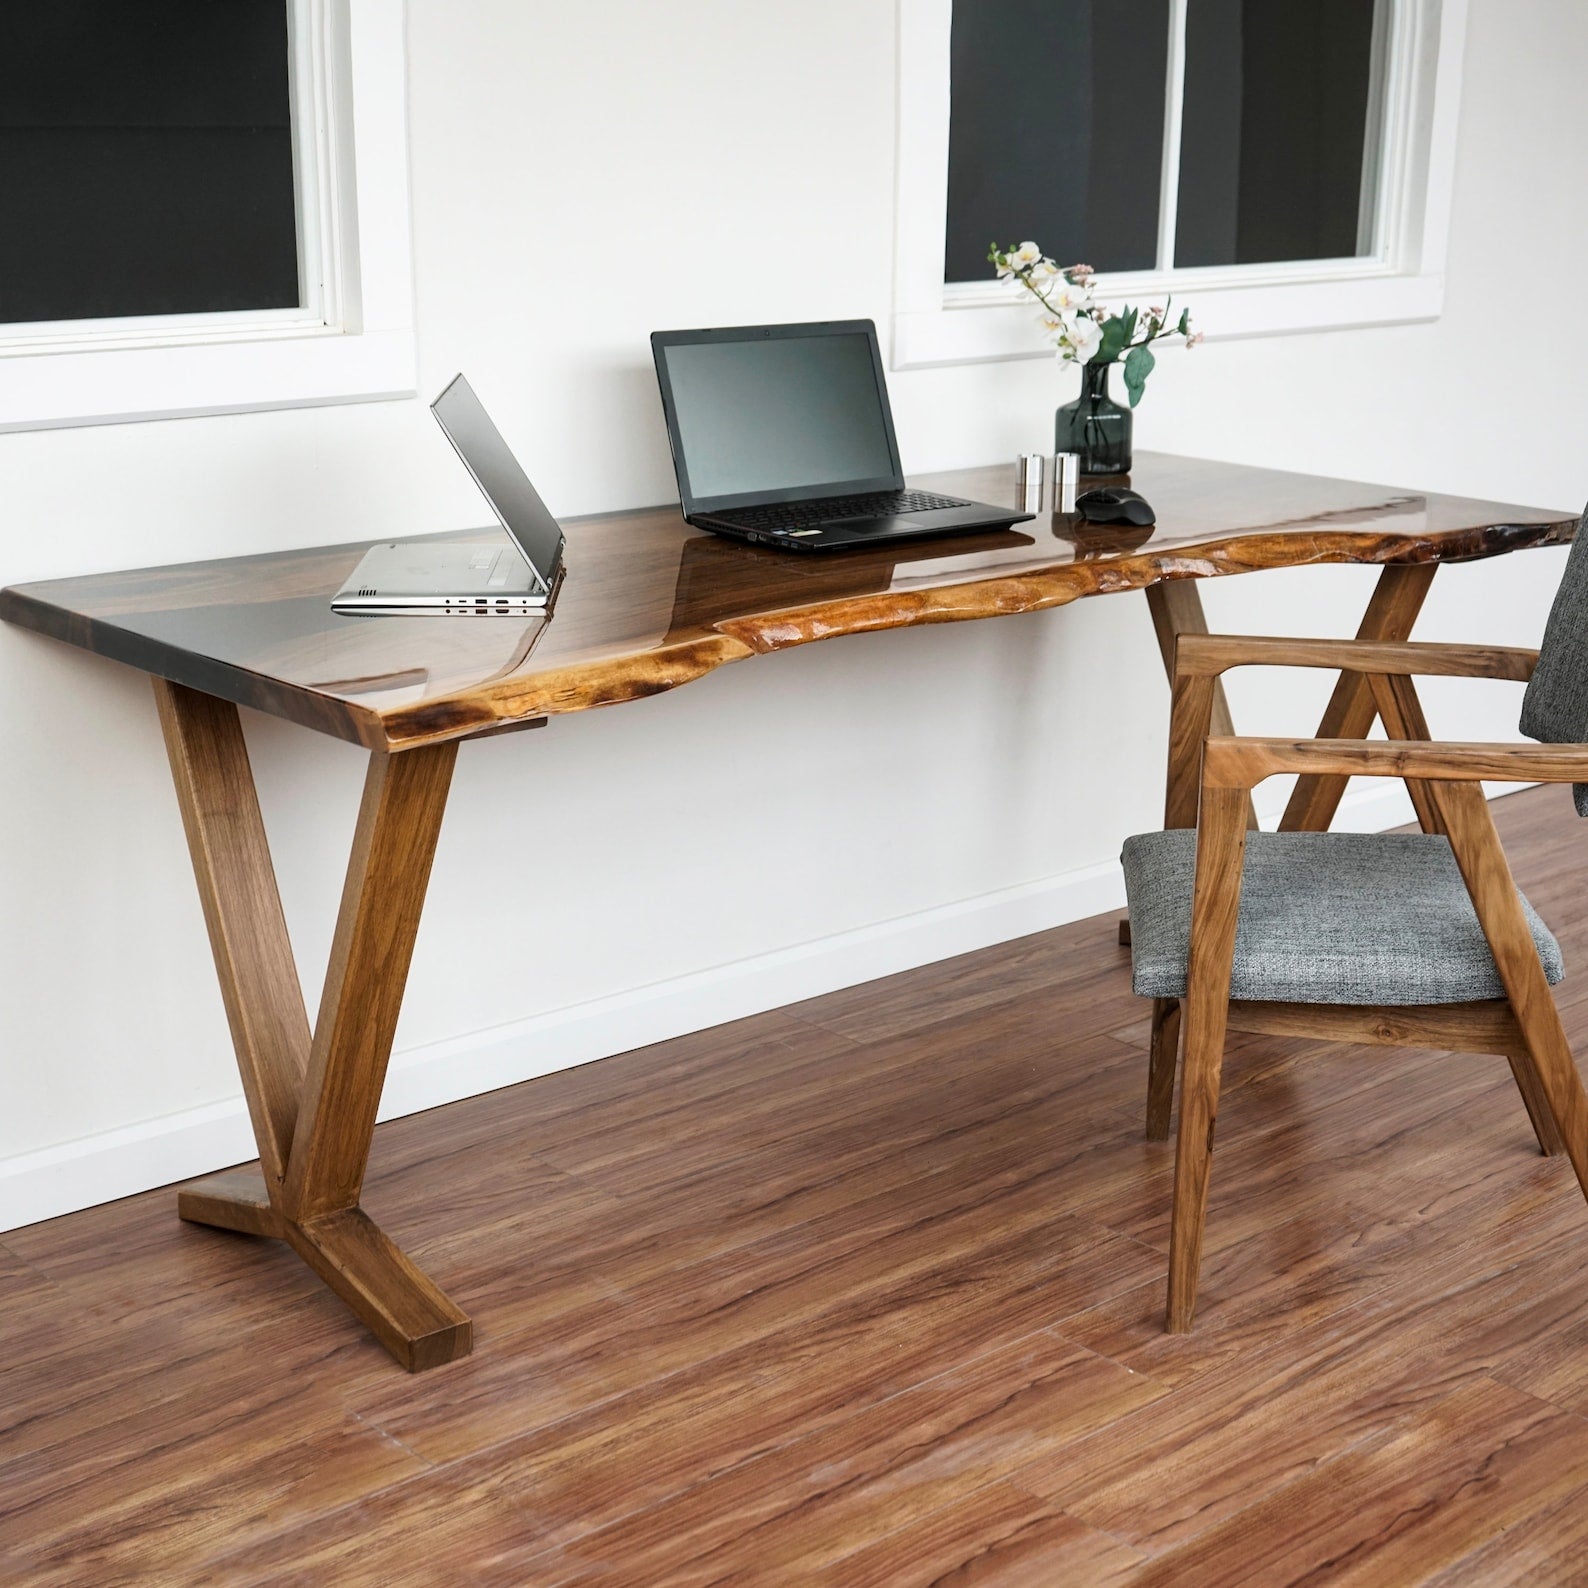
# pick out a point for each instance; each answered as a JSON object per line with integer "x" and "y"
{"x": 236, "y": 1200}
{"x": 399, "y": 1303}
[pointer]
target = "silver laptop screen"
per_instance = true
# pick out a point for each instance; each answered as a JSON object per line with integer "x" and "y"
{"x": 498, "y": 474}
{"x": 774, "y": 415}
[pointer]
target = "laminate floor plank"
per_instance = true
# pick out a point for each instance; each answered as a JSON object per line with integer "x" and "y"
{"x": 1399, "y": 1507}
{"x": 149, "y": 1514}
{"x": 129, "y": 1382}
{"x": 638, "y": 1447}
{"x": 797, "y": 1510}
{"x": 865, "y": 1291}
{"x": 1182, "y": 1464}
{"x": 1308, "y": 1257}
{"x": 128, "y": 1257}
{"x": 1253, "y": 1295}
{"x": 707, "y": 1060}
{"x": 693, "y": 1104}
{"x": 1517, "y": 1323}
{"x": 1548, "y": 1549}
{"x": 719, "y": 1322}
{"x": 665, "y": 1270}
{"x": 1004, "y": 1540}
{"x": 1095, "y": 995}
{"x": 1163, "y": 1474}
{"x": 431, "y": 1531}
{"x": 846, "y": 1112}
{"x": 1391, "y": 1124}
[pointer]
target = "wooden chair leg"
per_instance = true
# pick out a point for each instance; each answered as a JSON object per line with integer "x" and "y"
{"x": 1488, "y": 877}
{"x": 1221, "y": 845}
{"x": 1161, "y": 1066}
{"x": 1525, "y": 1074}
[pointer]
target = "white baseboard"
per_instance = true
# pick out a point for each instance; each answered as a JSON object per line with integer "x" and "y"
{"x": 117, "y": 1163}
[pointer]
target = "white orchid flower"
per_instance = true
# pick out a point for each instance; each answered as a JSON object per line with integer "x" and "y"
{"x": 1026, "y": 255}
{"x": 1070, "y": 300}
{"x": 1080, "y": 341}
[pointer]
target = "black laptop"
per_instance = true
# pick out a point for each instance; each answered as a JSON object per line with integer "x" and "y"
{"x": 782, "y": 435}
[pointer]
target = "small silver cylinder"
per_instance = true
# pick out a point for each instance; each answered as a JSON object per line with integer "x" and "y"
{"x": 1066, "y": 481}
{"x": 1030, "y": 476}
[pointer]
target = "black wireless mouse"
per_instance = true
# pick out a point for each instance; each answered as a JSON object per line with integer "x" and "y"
{"x": 1114, "y": 504}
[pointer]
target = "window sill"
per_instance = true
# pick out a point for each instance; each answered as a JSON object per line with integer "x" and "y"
{"x": 983, "y": 333}
{"x": 113, "y": 386}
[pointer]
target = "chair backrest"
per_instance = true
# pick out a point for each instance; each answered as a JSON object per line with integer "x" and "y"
{"x": 1555, "y": 707}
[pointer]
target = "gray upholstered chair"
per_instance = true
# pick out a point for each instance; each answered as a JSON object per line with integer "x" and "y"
{"x": 1415, "y": 939}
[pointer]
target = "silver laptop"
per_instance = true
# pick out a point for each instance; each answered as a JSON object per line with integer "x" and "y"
{"x": 482, "y": 581}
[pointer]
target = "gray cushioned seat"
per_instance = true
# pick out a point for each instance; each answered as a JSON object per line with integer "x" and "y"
{"x": 1336, "y": 918}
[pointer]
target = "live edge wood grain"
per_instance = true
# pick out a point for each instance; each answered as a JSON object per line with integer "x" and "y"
{"x": 650, "y": 604}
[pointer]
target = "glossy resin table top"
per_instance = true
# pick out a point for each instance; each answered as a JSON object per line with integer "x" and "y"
{"x": 649, "y": 603}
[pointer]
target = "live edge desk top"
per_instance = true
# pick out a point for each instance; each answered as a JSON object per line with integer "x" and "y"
{"x": 649, "y": 603}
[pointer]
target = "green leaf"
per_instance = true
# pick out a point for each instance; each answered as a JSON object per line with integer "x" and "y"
{"x": 1185, "y": 321}
{"x": 1139, "y": 364}
{"x": 1129, "y": 317}
{"x": 1113, "y": 342}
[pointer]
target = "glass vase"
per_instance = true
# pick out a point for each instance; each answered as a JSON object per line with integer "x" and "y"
{"x": 1095, "y": 426}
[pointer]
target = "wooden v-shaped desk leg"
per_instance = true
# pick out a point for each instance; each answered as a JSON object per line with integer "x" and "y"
{"x": 1397, "y": 599}
{"x": 312, "y": 1099}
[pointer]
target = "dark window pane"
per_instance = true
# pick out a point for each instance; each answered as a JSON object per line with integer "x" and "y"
{"x": 1056, "y": 131}
{"x": 1275, "y": 130}
{"x": 145, "y": 159}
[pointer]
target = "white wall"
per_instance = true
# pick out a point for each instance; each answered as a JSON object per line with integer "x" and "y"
{"x": 582, "y": 175}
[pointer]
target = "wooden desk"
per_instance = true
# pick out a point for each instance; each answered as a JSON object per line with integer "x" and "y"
{"x": 647, "y": 604}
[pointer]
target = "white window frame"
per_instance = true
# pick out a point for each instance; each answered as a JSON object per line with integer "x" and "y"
{"x": 1400, "y": 280}
{"x": 352, "y": 339}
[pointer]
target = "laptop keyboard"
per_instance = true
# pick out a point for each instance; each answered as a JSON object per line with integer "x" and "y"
{"x": 787, "y": 516}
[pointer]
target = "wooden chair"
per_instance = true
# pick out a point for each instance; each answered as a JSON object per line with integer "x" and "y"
{"x": 1415, "y": 939}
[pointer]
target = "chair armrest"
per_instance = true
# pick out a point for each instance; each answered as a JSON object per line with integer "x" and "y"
{"x": 1244, "y": 763}
{"x": 1207, "y": 655}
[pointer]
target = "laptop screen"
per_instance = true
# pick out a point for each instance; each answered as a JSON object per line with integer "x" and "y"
{"x": 776, "y": 413}
{"x": 498, "y": 474}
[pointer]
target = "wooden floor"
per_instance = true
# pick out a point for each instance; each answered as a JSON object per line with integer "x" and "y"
{"x": 864, "y": 1291}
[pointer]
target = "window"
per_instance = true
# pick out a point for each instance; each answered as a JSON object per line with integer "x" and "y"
{"x": 184, "y": 233}
{"x": 146, "y": 154}
{"x": 1089, "y": 181}
{"x": 1282, "y": 115}
{"x": 1287, "y": 162}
